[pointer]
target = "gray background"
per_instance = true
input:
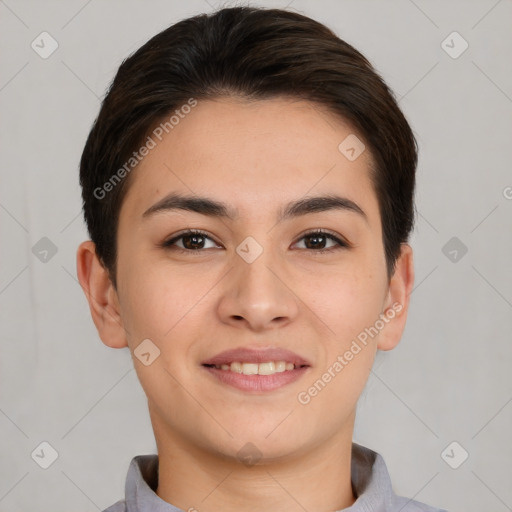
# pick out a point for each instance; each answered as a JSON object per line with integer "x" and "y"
{"x": 448, "y": 380}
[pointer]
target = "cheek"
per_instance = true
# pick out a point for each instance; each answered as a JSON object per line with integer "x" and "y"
{"x": 345, "y": 301}
{"x": 143, "y": 307}
{"x": 164, "y": 302}
{"x": 159, "y": 306}
{"x": 348, "y": 306}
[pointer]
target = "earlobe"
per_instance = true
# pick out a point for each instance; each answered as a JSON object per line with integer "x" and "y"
{"x": 101, "y": 296}
{"x": 397, "y": 301}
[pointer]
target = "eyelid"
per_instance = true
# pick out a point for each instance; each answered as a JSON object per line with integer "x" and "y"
{"x": 169, "y": 242}
{"x": 341, "y": 241}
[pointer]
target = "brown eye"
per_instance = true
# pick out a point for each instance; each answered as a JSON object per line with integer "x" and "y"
{"x": 317, "y": 241}
{"x": 193, "y": 241}
{"x": 190, "y": 241}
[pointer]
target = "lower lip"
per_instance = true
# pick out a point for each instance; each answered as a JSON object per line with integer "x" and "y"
{"x": 257, "y": 383}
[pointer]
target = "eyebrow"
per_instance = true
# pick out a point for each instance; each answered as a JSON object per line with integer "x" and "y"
{"x": 214, "y": 208}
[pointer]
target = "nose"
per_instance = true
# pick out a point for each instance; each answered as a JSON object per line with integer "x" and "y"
{"x": 257, "y": 295}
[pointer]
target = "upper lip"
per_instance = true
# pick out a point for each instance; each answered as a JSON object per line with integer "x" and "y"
{"x": 258, "y": 355}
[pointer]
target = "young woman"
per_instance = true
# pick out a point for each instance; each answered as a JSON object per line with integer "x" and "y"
{"x": 248, "y": 189}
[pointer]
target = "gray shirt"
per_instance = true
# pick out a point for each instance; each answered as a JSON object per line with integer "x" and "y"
{"x": 370, "y": 483}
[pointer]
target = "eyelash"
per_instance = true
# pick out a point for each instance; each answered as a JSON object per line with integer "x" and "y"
{"x": 341, "y": 244}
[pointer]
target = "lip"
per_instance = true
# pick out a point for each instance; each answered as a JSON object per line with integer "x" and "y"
{"x": 256, "y": 383}
{"x": 259, "y": 355}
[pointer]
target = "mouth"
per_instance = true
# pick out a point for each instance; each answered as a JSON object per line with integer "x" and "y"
{"x": 256, "y": 370}
{"x": 267, "y": 368}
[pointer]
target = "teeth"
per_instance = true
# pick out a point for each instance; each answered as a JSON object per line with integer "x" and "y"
{"x": 236, "y": 367}
{"x": 250, "y": 368}
{"x": 268, "y": 368}
{"x": 280, "y": 366}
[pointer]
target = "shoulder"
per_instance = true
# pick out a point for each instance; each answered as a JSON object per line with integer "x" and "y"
{"x": 372, "y": 483}
{"x": 141, "y": 481}
{"x": 408, "y": 505}
{"x": 119, "y": 506}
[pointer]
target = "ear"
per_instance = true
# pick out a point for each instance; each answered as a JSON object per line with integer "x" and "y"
{"x": 396, "y": 304}
{"x": 101, "y": 295}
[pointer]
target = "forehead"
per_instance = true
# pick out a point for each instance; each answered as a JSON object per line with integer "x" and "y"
{"x": 252, "y": 154}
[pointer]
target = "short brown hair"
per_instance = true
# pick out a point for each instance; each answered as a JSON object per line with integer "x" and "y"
{"x": 255, "y": 53}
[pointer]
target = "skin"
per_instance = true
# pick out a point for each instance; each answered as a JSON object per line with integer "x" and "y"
{"x": 255, "y": 157}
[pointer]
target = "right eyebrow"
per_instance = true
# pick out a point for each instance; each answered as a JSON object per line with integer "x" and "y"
{"x": 202, "y": 205}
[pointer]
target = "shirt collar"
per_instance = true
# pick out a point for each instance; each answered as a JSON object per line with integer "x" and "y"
{"x": 370, "y": 483}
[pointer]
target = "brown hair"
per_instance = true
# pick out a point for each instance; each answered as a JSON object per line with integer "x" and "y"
{"x": 254, "y": 53}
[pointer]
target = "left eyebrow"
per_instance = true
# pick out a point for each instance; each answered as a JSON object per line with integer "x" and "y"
{"x": 214, "y": 208}
{"x": 319, "y": 204}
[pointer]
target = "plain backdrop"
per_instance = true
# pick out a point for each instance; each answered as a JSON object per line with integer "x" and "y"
{"x": 442, "y": 395}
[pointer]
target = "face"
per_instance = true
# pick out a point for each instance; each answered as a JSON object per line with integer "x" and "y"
{"x": 273, "y": 277}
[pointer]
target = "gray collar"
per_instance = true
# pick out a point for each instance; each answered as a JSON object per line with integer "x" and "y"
{"x": 370, "y": 483}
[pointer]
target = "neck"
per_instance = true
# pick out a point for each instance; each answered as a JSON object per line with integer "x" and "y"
{"x": 194, "y": 479}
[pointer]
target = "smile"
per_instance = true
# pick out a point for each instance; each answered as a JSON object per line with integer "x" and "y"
{"x": 268, "y": 368}
{"x": 256, "y": 370}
